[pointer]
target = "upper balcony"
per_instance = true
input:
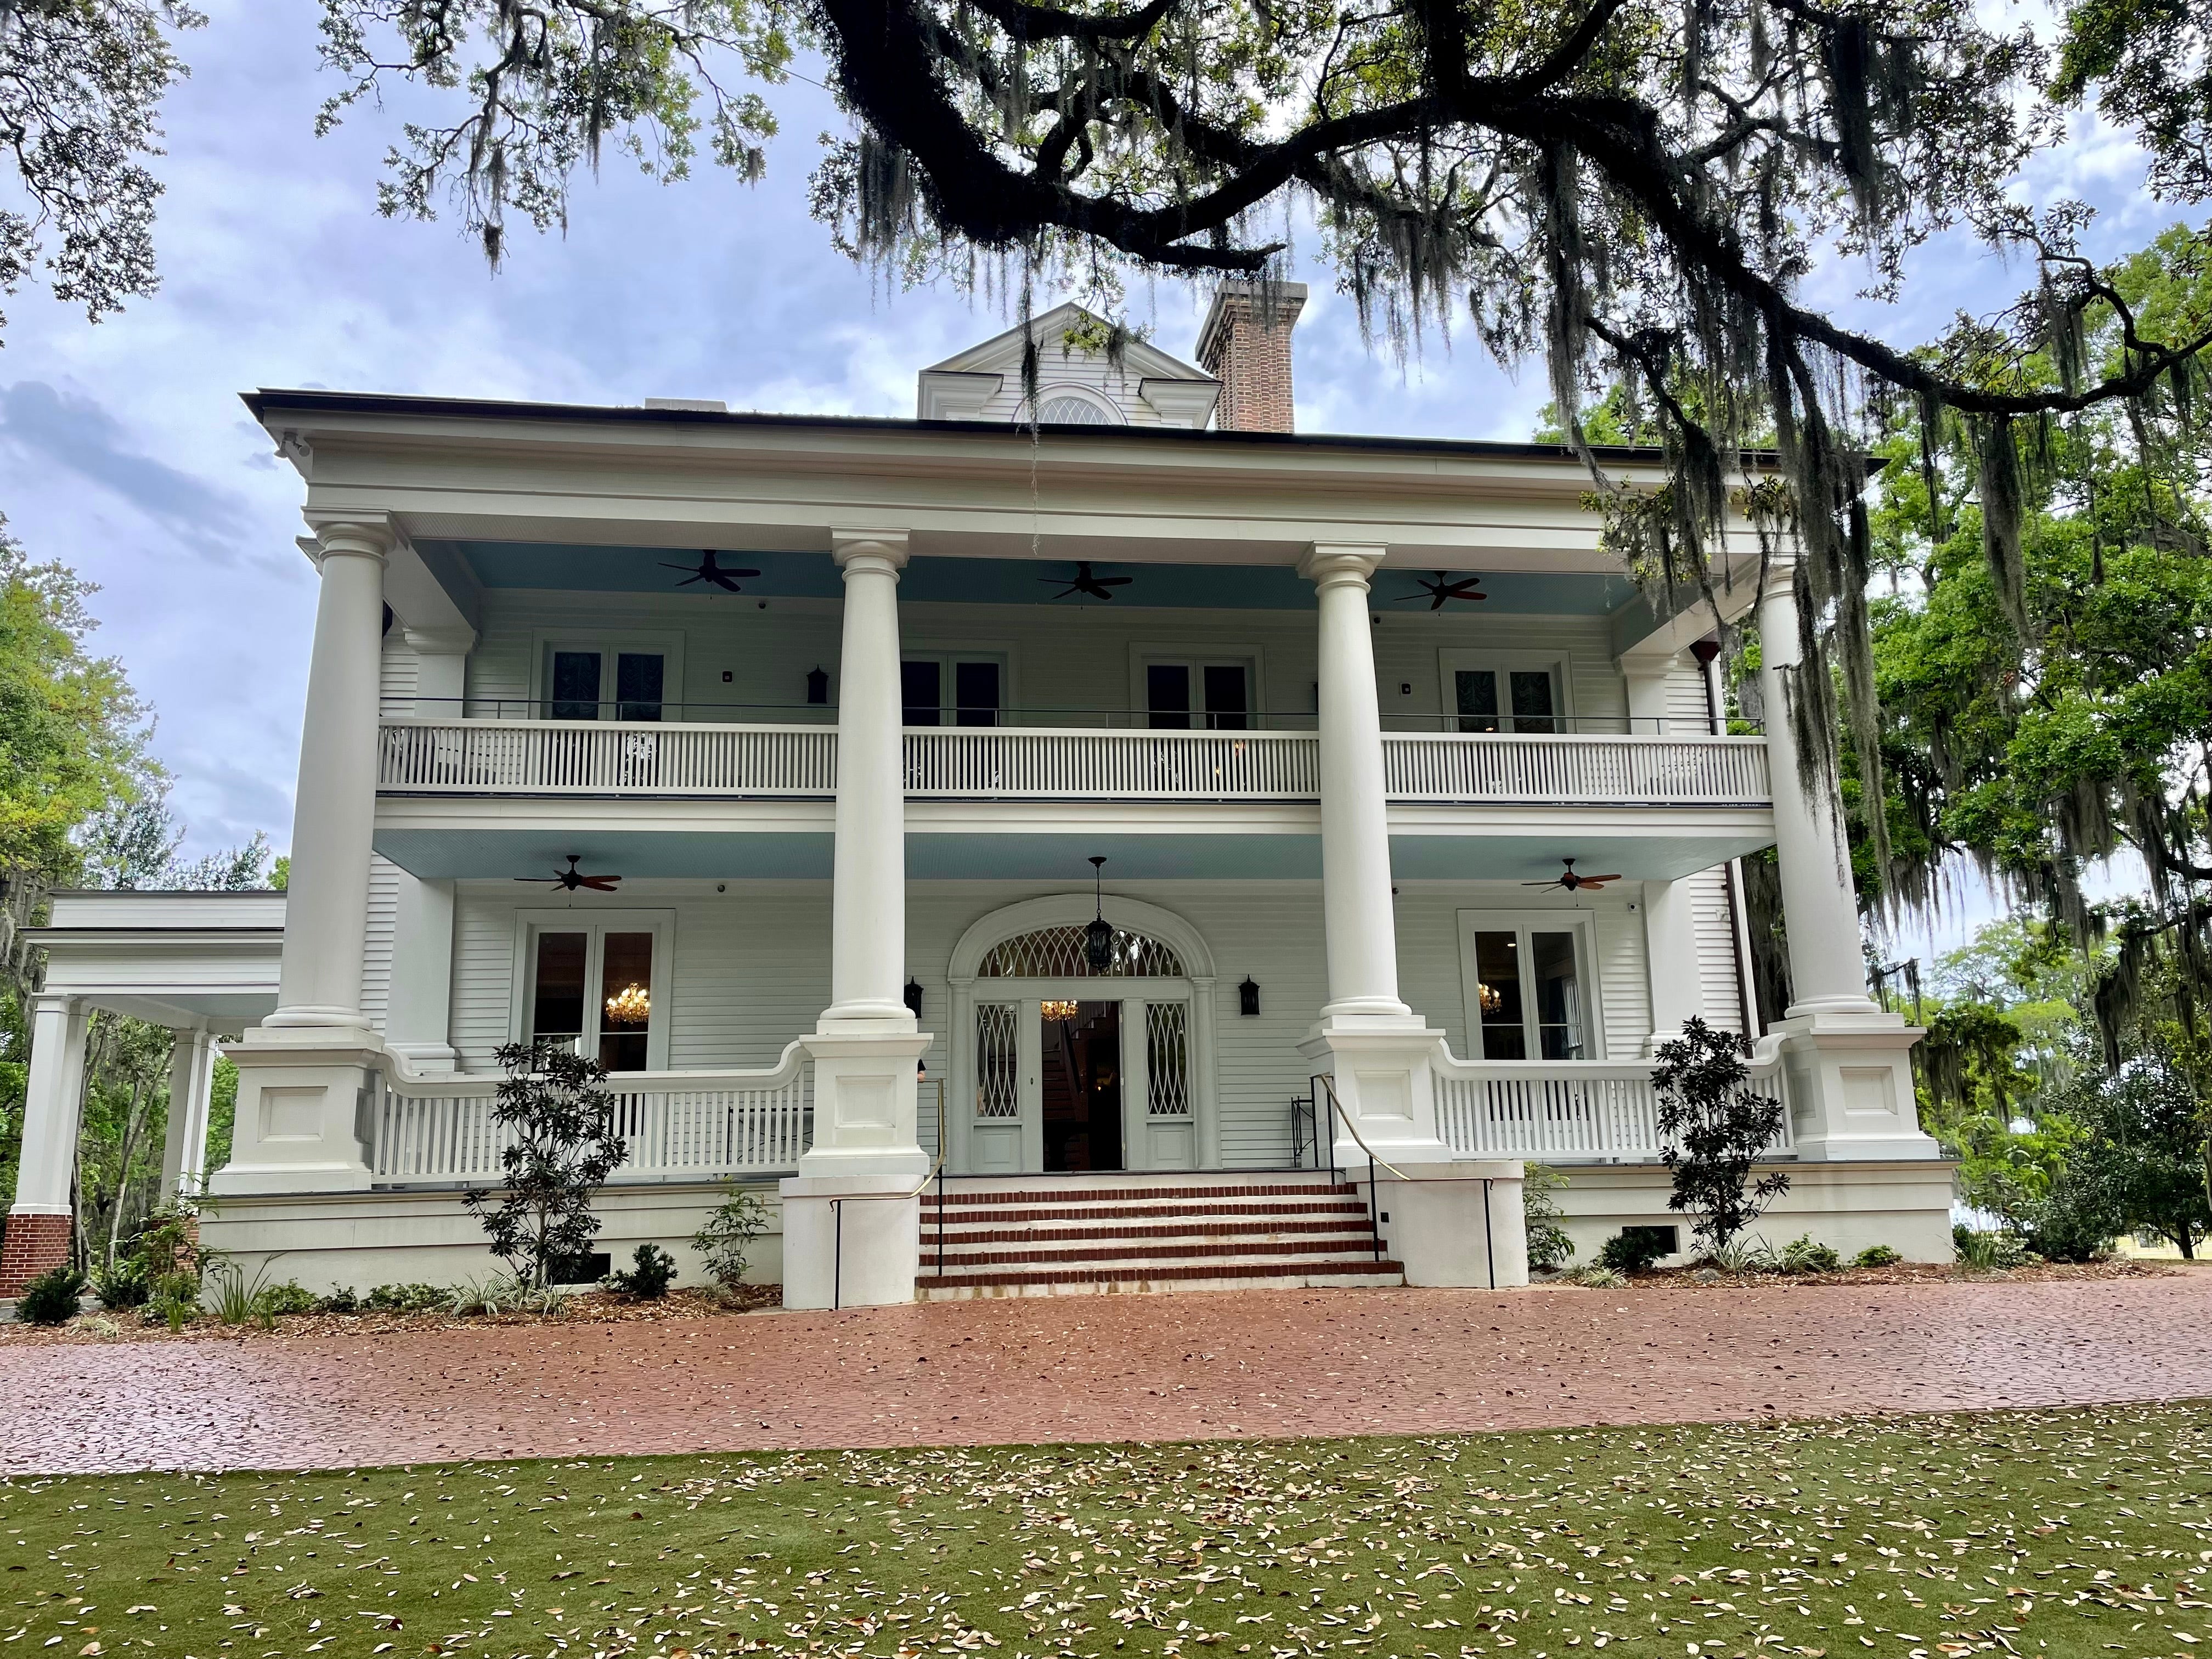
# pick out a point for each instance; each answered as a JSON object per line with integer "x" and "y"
{"x": 1016, "y": 765}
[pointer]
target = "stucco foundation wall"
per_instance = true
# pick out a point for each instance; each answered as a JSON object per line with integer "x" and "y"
{"x": 1905, "y": 1205}
{"x": 364, "y": 1239}
{"x": 751, "y": 971}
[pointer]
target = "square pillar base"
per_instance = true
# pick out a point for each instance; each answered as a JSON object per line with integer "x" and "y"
{"x": 1850, "y": 1088}
{"x": 849, "y": 1241}
{"x": 1446, "y": 1230}
{"x": 37, "y": 1242}
{"x": 1385, "y": 1087}
{"x": 865, "y": 1097}
{"x": 304, "y": 1095}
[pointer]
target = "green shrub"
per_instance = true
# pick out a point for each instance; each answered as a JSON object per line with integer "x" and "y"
{"x": 51, "y": 1297}
{"x": 1988, "y": 1252}
{"x": 290, "y": 1298}
{"x": 1877, "y": 1255}
{"x": 729, "y": 1233}
{"x": 341, "y": 1300}
{"x": 1802, "y": 1255}
{"x": 1596, "y": 1276}
{"x": 2075, "y": 1222}
{"x": 1741, "y": 1256}
{"x": 1633, "y": 1249}
{"x": 648, "y": 1277}
{"x": 1549, "y": 1247}
{"x": 407, "y": 1298}
{"x": 123, "y": 1284}
{"x": 175, "y": 1300}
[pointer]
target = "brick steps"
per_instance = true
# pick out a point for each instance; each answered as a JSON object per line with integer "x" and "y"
{"x": 1106, "y": 1234}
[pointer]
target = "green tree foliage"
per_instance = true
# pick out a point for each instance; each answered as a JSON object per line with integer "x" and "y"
{"x": 81, "y": 89}
{"x": 1713, "y": 1128}
{"x": 2144, "y": 1160}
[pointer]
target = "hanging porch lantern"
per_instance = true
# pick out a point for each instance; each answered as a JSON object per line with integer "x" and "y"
{"x": 1098, "y": 936}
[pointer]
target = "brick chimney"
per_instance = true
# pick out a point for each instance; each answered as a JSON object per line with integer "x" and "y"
{"x": 1246, "y": 345}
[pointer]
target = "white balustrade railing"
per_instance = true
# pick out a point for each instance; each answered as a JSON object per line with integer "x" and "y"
{"x": 606, "y": 758}
{"x": 1570, "y": 1111}
{"x": 1019, "y": 764}
{"x": 700, "y": 1125}
{"x": 1573, "y": 768}
{"x": 968, "y": 763}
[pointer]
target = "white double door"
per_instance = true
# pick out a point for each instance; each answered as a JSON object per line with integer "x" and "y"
{"x": 1080, "y": 1076}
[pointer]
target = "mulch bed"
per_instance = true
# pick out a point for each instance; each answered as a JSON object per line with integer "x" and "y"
{"x": 585, "y": 1308}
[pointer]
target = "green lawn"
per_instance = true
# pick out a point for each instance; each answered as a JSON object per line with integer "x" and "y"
{"x": 2085, "y": 1532}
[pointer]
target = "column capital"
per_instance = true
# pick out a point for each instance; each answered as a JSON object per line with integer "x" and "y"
{"x": 369, "y": 536}
{"x": 883, "y": 549}
{"x": 57, "y": 1002}
{"x": 1336, "y": 564}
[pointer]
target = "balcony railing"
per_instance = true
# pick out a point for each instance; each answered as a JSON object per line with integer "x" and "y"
{"x": 678, "y": 1126}
{"x": 1570, "y": 1111}
{"x": 587, "y": 757}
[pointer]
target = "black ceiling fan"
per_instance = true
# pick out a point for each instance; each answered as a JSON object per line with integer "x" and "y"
{"x": 707, "y": 571}
{"x": 570, "y": 880}
{"x": 1572, "y": 883}
{"x": 1098, "y": 587}
{"x": 1445, "y": 587}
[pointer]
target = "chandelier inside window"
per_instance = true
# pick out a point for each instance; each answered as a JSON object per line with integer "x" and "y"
{"x": 629, "y": 1007}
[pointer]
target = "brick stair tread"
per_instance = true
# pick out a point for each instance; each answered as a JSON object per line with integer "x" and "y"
{"x": 1080, "y": 1212}
{"x": 1216, "y": 1190}
{"x": 1202, "y": 1270}
{"x": 1200, "y": 1228}
{"x": 1325, "y": 1250}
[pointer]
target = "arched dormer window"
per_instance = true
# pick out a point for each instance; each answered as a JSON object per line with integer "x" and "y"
{"x": 1061, "y": 407}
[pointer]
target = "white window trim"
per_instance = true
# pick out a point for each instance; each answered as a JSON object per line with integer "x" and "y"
{"x": 1047, "y": 390}
{"x": 591, "y": 919}
{"x": 1583, "y": 924}
{"x": 545, "y": 642}
{"x": 1451, "y": 660}
{"x": 1143, "y": 654}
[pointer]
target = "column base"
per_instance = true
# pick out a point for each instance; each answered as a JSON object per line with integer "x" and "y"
{"x": 38, "y": 1241}
{"x": 866, "y": 1094}
{"x": 1849, "y": 1075}
{"x": 302, "y": 1125}
{"x": 846, "y": 1244}
{"x": 1385, "y": 1085}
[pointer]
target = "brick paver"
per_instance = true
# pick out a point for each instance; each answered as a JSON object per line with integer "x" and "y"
{"x": 1256, "y": 1363}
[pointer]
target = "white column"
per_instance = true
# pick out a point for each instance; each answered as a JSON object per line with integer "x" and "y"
{"x": 1670, "y": 948}
{"x": 53, "y": 1105}
{"x": 1359, "y": 927}
{"x": 307, "y": 1073}
{"x": 418, "y": 1009}
{"x": 851, "y": 1235}
{"x": 326, "y": 906}
{"x": 867, "y": 926}
{"x": 1846, "y": 1062}
{"x": 191, "y": 1084}
{"x": 1827, "y": 970}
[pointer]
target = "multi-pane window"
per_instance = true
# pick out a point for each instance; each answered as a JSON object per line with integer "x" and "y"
{"x": 1529, "y": 998}
{"x": 590, "y": 685}
{"x": 1507, "y": 699}
{"x": 951, "y": 691}
{"x": 592, "y": 990}
{"x": 1212, "y": 697}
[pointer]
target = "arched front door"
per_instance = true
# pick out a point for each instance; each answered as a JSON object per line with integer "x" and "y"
{"x": 1060, "y": 1069}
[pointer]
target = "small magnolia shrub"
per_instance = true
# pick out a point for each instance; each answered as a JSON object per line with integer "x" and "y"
{"x": 1713, "y": 1128}
{"x": 648, "y": 1277}
{"x": 1549, "y": 1247}
{"x": 728, "y": 1235}
{"x": 51, "y": 1297}
{"x": 1633, "y": 1249}
{"x": 1802, "y": 1255}
{"x": 1877, "y": 1255}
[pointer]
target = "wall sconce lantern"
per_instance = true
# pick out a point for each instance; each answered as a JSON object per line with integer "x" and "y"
{"x": 817, "y": 686}
{"x": 1248, "y": 997}
{"x": 1098, "y": 934}
{"x": 914, "y": 997}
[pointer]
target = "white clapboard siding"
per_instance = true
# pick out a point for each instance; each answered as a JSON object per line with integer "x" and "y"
{"x": 376, "y": 945}
{"x": 1717, "y": 964}
{"x": 396, "y": 671}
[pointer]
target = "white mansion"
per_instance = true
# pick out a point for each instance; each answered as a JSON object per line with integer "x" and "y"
{"x": 1109, "y": 853}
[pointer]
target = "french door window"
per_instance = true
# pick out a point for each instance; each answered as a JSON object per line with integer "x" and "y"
{"x": 592, "y": 988}
{"x": 590, "y": 685}
{"x": 1529, "y": 999}
{"x": 1211, "y": 696}
{"x": 951, "y": 691}
{"x": 1507, "y": 699}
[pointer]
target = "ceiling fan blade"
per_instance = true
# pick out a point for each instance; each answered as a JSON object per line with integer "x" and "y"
{"x": 1592, "y": 881}
{"x": 741, "y": 573}
{"x": 551, "y": 880}
{"x": 1438, "y": 603}
{"x": 1543, "y": 883}
{"x": 720, "y": 580}
{"x": 1115, "y": 582}
{"x": 599, "y": 884}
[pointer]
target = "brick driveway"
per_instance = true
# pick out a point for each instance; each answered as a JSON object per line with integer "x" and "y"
{"x": 1260, "y": 1363}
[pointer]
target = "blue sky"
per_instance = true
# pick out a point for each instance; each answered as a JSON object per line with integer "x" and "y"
{"x": 123, "y": 450}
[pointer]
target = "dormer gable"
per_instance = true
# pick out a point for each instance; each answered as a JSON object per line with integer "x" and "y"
{"x": 1076, "y": 385}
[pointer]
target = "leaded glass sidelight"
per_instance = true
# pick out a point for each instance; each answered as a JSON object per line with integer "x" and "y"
{"x": 1058, "y": 953}
{"x": 996, "y": 1094}
{"x": 1167, "y": 1055}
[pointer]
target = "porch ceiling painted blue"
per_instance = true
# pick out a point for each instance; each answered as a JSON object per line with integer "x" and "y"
{"x": 496, "y": 854}
{"x": 1002, "y": 581}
